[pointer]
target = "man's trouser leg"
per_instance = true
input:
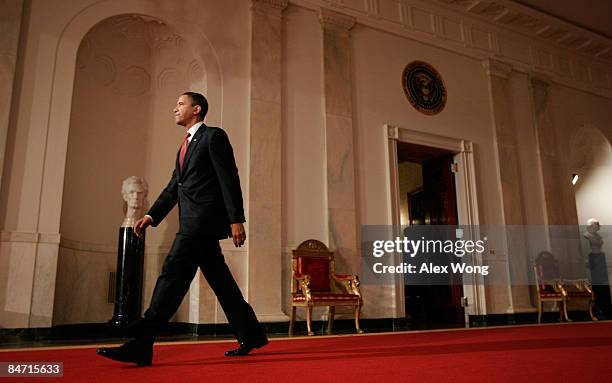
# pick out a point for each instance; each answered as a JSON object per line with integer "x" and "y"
{"x": 172, "y": 284}
{"x": 239, "y": 313}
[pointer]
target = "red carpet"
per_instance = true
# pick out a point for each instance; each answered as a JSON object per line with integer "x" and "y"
{"x": 551, "y": 353}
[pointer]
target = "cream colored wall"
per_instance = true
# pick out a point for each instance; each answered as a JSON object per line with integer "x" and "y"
{"x": 217, "y": 33}
{"x": 206, "y": 21}
{"x": 379, "y": 59}
{"x": 574, "y": 108}
{"x": 581, "y": 115}
{"x": 592, "y": 161}
{"x": 110, "y": 109}
{"x": 576, "y": 113}
{"x": 588, "y": 129}
{"x": 129, "y": 72}
{"x": 573, "y": 114}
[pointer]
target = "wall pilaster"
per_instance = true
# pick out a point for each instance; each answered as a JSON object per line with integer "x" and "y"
{"x": 560, "y": 200}
{"x": 10, "y": 20}
{"x": 339, "y": 139}
{"x": 264, "y": 236}
{"x": 517, "y": 252}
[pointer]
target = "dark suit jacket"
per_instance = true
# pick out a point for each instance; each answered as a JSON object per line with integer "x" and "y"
{"x": 207, "y": 190}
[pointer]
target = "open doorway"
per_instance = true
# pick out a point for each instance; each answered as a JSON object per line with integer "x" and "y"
{"x": 428, "y": 196}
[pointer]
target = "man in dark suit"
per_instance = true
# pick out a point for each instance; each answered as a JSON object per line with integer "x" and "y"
{"x": 206, "y": 186}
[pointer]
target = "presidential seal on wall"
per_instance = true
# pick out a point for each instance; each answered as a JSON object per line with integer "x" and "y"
{"x": 424, "y": 87}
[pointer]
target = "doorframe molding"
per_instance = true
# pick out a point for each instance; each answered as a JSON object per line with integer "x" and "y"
{"x": 466, "y": 194}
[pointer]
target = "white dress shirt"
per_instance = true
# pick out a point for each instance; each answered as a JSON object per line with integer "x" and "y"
{"x": 194, "y": 128}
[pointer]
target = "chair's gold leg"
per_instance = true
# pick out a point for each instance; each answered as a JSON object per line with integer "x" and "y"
{"x": 540, "y": 309}
{"x": 330, "y": 320}
{"x": 309, "y": 320}
{"x": 291, "y": 320}
{"x": 357, "y": 314}
{"x": 564, "y": 303}
{"x": 591, "y": 304}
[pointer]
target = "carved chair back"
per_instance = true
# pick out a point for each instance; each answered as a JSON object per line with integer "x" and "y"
{"x": 312, "y": 257}
{"x": 547, "y": 269}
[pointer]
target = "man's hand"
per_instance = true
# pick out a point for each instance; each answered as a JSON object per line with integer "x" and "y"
{"x": 238, "y": 234}
{"x": 141, "y": 225}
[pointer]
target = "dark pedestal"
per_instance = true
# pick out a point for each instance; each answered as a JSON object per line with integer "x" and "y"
{"x": 601, "y": 287}
{"x": 130, "y": 263}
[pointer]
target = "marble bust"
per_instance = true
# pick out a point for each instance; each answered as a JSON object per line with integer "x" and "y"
{"x": 134, "y": 190}
{"x": 595, "y": 240}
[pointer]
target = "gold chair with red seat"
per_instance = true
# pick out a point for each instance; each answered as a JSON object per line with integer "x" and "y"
{"x": 314, "y": 283}
{"x": 580, "y": 290}
{"x": 549, "y": 284}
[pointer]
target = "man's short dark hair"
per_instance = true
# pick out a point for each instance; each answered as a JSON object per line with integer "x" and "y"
{"x": 198, "y": 99}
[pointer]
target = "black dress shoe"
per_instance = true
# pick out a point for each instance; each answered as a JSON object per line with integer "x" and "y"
{"x": 245, "y": 348}
{"x": 128, "y": 354}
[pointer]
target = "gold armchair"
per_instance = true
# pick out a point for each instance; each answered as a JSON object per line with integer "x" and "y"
{"x": 312, "y": 281}
{"x": 580, "y": 290}
{"x": 552, "y": 288}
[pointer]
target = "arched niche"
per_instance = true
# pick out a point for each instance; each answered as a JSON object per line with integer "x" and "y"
{"x": 118, "y": 72}
{"x": 63, "y": 83}
{"x": 591, "y": 159}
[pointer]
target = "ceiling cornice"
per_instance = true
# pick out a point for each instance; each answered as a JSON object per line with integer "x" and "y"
{"x": 529, "y": 40}
{"x": 537, "y": 24}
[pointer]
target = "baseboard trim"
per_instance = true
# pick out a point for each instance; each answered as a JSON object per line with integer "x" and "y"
{"x": 97, "y": 332}
{"x": 178, "y": 330}
{"x": 524, "y": 318}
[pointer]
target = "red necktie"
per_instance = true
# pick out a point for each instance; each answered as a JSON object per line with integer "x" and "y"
{"x": 183, "y": 150}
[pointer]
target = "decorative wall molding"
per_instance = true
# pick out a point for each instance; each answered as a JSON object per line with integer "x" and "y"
{"x": 88, "y": 247}
{"x": 536, "y": 77}
{"x": 392, "y": 132}
{"x": 102, "y": 69}
{"x": 150, "y": 248}
{"x": 196, "y": 72}
{"x": 29, "y": 237}
{"x": 165, "y": 77}
{"x": 539, "y": 86}
{"x": 538, "y": 25}
{"x": 133, "y": 81}
{"x": 497, "y": 68}
{"x": 428, "y": 139}
{"x": 56, "y": 239}
{"x": 274, "y": 7}
{"x": 466, "y": 186}
{"x": 527, "y": 39}
{"x": 334, "y": 20}
{"x": 103, "y": 57}
{"x": 151, "y": 31}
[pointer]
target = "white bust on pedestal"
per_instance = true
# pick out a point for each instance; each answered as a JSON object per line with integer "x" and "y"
{"x": 134, "y": 190}
{"x": 595, "y": 240}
